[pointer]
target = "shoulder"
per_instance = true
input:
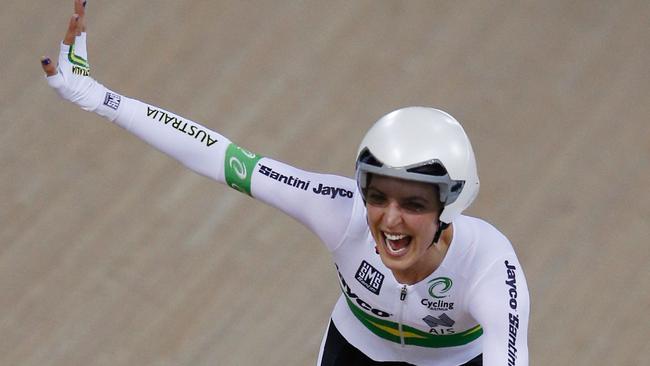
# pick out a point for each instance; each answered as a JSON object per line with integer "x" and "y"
{"x": 482, "y": 243}
{"x": 489, "y": 262}
{"x": 481, "y": 236}
{"x": 358, "y": 227}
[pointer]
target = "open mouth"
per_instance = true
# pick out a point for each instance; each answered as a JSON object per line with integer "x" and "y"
{"x": 397, "y": 244}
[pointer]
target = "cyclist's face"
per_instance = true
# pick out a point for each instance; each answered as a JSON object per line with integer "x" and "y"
{"x": 403, "y": 217}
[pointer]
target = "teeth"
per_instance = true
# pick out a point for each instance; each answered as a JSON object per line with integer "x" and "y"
{"x": 394, "y": 236}
{"x": 389, "y": 242}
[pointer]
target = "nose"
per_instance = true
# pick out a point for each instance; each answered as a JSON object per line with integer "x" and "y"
{"x": 392, "y": 215}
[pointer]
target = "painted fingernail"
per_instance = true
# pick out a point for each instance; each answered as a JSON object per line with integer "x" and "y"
{"x": 46, "y": 61}
{"x": 84, "y": 4}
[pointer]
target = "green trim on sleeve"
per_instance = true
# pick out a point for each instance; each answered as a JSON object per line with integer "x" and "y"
{"x": 76, "y": 59}
{"x": 238, "y": 168}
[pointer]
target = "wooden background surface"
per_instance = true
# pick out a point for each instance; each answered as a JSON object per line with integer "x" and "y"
{"x": 113, "y": 254}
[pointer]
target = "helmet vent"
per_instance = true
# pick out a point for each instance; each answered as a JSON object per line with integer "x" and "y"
{"x": 435, "y": 169}
{"x": 367, "y": 157}
{"x": 456, "y": 187}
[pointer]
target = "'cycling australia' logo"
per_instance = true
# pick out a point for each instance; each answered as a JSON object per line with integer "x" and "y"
{"x": 438, "y": 289}
{"x": 439, "y": 286}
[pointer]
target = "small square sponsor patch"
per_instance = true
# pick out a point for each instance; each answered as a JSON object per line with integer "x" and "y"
{"x": 112, "y": 100}
{"x": 370, "y": 277}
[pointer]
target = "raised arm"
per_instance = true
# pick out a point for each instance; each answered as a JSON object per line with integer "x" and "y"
{"x": 192, "y": 144}
{"x": 321, "y": 202}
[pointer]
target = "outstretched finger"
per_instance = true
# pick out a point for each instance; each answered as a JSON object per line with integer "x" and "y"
{"x": 80, "y": 8}
{"x": 48, "y": 66}
{"x": 72, "y": 30}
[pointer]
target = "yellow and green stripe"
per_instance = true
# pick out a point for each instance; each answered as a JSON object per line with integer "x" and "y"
{"x": 76, "y": 59}
{"x": 390, "y": 331}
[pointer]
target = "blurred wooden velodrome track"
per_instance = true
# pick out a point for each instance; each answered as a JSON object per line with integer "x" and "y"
{"x": 113, "y": 254}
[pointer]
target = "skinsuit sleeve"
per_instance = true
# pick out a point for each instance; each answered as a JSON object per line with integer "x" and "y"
{"x": 322, "y": 202}
{"x": 500, "y": 302}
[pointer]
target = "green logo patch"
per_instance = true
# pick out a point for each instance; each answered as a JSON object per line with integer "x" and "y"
{"x": 439, "y": 286}
{"x": 238, "y": 168}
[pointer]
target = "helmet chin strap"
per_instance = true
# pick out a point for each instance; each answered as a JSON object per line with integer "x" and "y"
{"x": 441, "y": 226}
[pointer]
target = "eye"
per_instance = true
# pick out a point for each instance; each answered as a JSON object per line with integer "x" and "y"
{"x": 375, "y": 197}
{"x": 414, "y": 206}
{"x": 417, "y": 205}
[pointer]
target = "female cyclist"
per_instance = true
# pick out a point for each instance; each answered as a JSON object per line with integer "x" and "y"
{"x": 421, "y": 283}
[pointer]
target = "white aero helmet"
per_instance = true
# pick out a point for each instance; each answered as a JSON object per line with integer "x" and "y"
{"x": 425, "y": 145}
